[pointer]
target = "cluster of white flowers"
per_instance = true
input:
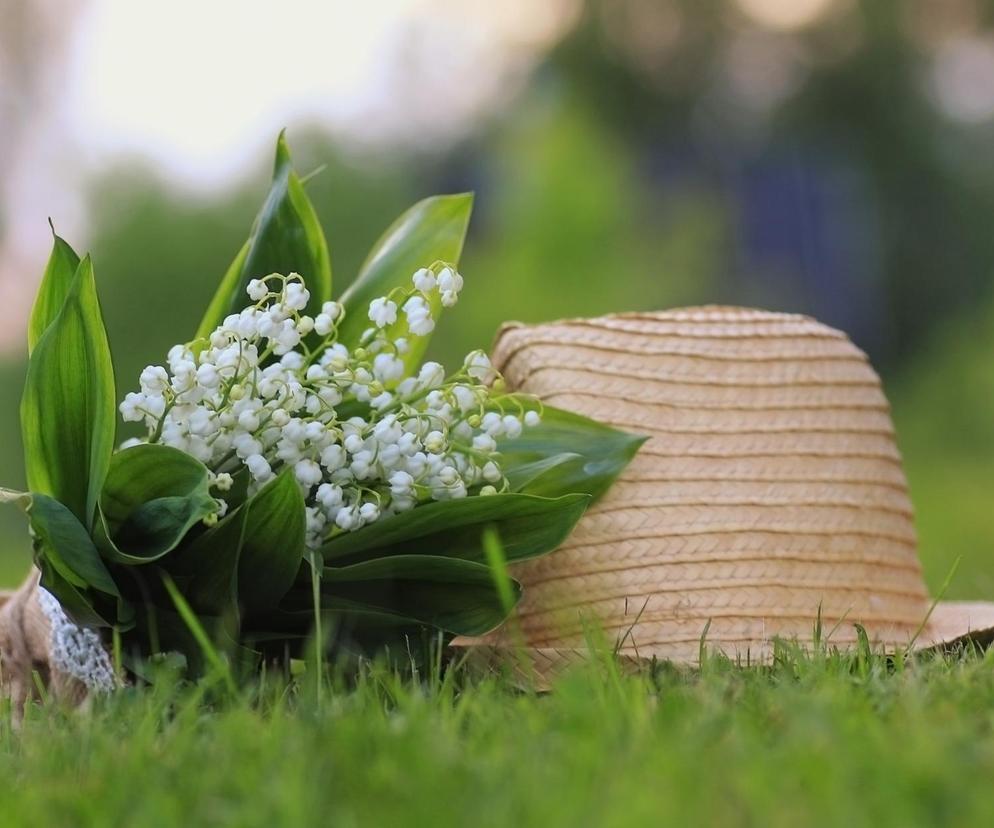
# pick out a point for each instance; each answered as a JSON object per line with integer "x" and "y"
{"x": 273, "y": 387}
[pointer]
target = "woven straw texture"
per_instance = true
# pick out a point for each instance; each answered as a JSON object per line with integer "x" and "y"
{"x": 770, "y": 490}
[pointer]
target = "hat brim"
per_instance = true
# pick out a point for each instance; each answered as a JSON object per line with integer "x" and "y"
{"x": 950, "y": 624}
{"x": 958, "y": 622}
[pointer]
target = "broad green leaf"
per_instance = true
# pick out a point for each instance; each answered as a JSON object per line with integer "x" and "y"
{"x": 77, "y": 604}
{"x": 54, "y": 288}
{"x": 528, "y": 476}
{"x": 225, "y": 297}
{"x": 432, "y": 230}
{"x": 528, "y": 526}
{"x": 68, "y": 407}
{"x": 285, "y": 238}
{"x": 295, "y": 617}
{"x": 207, "y": 651}
{"x": 273, "y": 545}
{"x": 358, "y": 628}
{"x": 602, "y": 454}
{"x": 211, "y": 565}
{"x": 351, "y": 628}
{"x": 64, "y": 541}
{"x": 153, "y": 496}
{"x": 454, "y": 595}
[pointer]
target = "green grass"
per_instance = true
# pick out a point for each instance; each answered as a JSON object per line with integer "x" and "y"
{"x": 819, "y": 739}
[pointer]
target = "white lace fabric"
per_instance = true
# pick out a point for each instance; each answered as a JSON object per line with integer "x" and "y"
{"x": 76, "y": 650}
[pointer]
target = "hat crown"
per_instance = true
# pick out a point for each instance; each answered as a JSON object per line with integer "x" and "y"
{"x": 770, "y": 491}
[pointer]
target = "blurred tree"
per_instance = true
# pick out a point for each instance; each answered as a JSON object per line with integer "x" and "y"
{"x": 944, "y": 412}
{"x": 567, "y": 227}
{"x": 851, "y": 195}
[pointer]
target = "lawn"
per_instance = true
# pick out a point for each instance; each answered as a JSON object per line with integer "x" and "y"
{"x": 817, "y": 739}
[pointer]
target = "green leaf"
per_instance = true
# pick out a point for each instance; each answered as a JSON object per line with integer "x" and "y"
{"x": 526, "y": 477}
{"x": 153, "y": 496}
{"x": 64, "y": 541}
{"x": 351, "y": 627}
{"x": 455, "y": 595}
{"x": 497, "y": 561}
{"x": 211, "y": 562}
{"x": 225, "y": 297}
{"x": 528, "y": 526}
{"x": 55, "y": 284}
{"x": 273, "y": 546}
{"x": 432, "y": 230}
{"x": 67, "y": 411}
{"x": 285, "y": 238}
{"x": 195, "y": 627}
{"x": 77, "y": 604}
{"x": 600, "y": 454}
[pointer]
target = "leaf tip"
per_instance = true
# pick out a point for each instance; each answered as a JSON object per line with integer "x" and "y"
{"x": 282, "y": 151}
{"x": 466, "y": 198}
{"x": 60, "y": 243}
{"x": 84, "y": 273}
{"x": 639, "y": 440}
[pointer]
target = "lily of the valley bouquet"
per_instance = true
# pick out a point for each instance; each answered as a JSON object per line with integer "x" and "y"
{"x": 305, "y": 476}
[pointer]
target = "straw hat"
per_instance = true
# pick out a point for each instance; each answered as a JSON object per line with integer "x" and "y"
{"x": 770, "y": 490}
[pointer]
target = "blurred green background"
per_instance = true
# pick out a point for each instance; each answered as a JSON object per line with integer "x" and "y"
{"x": 832, "y": 157}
